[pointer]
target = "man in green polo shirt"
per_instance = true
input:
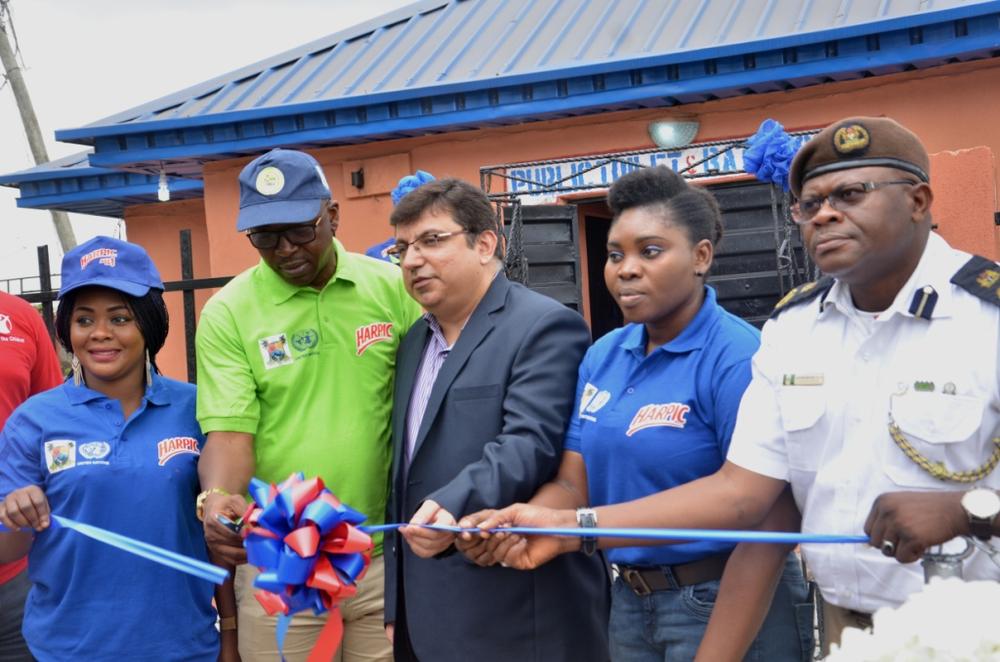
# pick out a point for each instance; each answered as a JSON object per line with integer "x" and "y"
{"x": 295, "y": 363}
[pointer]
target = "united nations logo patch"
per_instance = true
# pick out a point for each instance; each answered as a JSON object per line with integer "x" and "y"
{"x": 305, "y": 339}
{"x": 270, "y": 181}
{"x": 95, "y": 450}
{"x": 851, "y": 139}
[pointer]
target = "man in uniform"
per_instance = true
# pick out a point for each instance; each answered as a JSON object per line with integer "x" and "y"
{"x": 879, "y": 379}
{"x": 296, "y": 359}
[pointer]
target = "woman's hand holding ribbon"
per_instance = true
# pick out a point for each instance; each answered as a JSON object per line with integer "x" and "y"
{"x": 478, "y": 547}
{"x": 524, "y": 552}
{"x": 26, "y": 508}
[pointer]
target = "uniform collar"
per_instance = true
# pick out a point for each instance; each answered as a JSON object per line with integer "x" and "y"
{"x": 692, "y": 337}
{"x": 935, "y": 269}
{"x": 155, "y": 394}
{"x": 280, "y": 290}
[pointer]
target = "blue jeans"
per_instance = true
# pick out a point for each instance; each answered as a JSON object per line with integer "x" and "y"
{"x": 667, "y": 626}
{"x": 12, "y": 596}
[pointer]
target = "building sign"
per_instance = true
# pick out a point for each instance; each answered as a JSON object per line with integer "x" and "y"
{"x": 542, "y": 183}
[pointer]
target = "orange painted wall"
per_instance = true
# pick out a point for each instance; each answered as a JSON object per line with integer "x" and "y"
{"x": 964, "y": 183}
{"x": 157, "y": 227}
{"x": 950, "y": 108}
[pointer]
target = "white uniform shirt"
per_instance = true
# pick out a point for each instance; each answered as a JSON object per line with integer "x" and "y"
{"x": 828, "y": 434}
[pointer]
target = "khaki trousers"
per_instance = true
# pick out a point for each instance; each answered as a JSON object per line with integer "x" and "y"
{"x": 835, "y": 619}
{"x": 364, "y": 632}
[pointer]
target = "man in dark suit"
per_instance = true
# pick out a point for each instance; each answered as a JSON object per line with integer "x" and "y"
{"x": 484, "y": 387}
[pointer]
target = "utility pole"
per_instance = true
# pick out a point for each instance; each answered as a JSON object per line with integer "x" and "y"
{"x": 14, "y": 76}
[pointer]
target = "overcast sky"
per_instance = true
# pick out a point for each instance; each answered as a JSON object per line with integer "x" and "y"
{"x": 87, "y": 59}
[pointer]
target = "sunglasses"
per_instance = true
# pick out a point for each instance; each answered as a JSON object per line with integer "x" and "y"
{"x": 297, "y": 235}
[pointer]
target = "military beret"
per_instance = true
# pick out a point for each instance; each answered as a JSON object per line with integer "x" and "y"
{"x": 859, "y": 142}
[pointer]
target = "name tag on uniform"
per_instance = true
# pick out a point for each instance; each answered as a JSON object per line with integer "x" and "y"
{"x": 802, "y": 380}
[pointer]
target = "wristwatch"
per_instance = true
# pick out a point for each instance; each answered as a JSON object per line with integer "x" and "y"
{"x": 982, "y": 507}
{"x": 199, "y": 502}
{"x": 586, "y": 518}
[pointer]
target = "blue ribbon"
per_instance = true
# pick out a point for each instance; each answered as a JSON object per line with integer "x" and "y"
{"x": 159, "y": 555}
{"x": 717, "y": 535}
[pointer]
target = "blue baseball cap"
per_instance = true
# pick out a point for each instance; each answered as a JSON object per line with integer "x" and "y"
{"x": 109, "y": 262}
{"x": 282, "y": 186}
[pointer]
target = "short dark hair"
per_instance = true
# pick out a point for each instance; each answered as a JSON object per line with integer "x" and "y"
{"x": 150, "y": 314}
{"x": 468, "y": 205}
{"x": 690, "y": 207}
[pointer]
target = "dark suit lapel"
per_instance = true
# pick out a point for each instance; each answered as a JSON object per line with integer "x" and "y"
{"x": 478, "y": 327}
{"x": 407, "y": 363}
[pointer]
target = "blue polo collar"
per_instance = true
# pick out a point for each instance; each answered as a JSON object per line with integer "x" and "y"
{"x": 78, "y": 395}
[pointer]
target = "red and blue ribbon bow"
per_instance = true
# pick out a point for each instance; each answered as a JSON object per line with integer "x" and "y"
{"x": 310, "y": 553}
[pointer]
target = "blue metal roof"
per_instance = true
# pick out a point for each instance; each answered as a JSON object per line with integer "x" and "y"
{"x": 447, "y": 65}
{"x": 442, "y": 65}
{"x": 72, "y": 184}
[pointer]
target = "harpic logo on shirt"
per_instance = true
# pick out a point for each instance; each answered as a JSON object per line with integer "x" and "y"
{"x": 368, "y": 335}
{"x": 671, "y": 415}
{"x": 591, "y": 400}
{"x": 174, "y": 446}
{"x": 105, "y": 256}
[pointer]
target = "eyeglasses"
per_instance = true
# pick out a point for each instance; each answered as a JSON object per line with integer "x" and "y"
{"x": 296, "y": 235}
{"x": 842, "y": 198}
{"x": 425, "y": 243}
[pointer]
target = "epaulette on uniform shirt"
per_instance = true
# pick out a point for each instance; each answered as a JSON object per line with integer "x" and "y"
{"x": 802, "y": 294}
{"x": 980, "y": 277}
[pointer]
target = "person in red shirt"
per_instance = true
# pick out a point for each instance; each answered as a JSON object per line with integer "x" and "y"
{"x": 28, "y": 365}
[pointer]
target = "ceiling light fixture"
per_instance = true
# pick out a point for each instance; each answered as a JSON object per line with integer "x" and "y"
{"x": 671, "y": 134}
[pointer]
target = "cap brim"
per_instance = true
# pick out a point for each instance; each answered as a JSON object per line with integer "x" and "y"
{"x": 279, "y": 212}
{"x": 128, "y": 287}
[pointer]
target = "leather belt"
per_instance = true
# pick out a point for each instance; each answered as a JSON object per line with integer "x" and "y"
{"x": 644, "y": 580}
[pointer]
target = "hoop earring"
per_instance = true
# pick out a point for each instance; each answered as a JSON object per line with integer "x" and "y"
{"x": 77, "y": 371}
{"x": 149, "y": 370}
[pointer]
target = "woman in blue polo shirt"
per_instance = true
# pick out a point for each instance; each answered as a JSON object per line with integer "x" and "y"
{"x": 115, "y": 446}
{"x": 656, "y": 405}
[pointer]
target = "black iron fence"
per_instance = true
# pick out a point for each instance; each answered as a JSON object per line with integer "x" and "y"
{"x": 45, "y": 295}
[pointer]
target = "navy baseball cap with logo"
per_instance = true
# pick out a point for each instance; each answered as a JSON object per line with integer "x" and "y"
{"x": 282, "y": 186}
{"x": 109, "y": 262}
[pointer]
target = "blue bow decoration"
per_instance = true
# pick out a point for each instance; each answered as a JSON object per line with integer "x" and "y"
{"x": 769, "y": 153}
{"x": 410, "y": 183}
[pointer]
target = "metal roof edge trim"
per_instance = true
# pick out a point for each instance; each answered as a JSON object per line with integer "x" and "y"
{"x": 532, "y": 109}
{"x": 284, "y": 57}
{"x": 44, "y": 201}
{"x": 15, "y": 179}
{"x": 82, "y": 134}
